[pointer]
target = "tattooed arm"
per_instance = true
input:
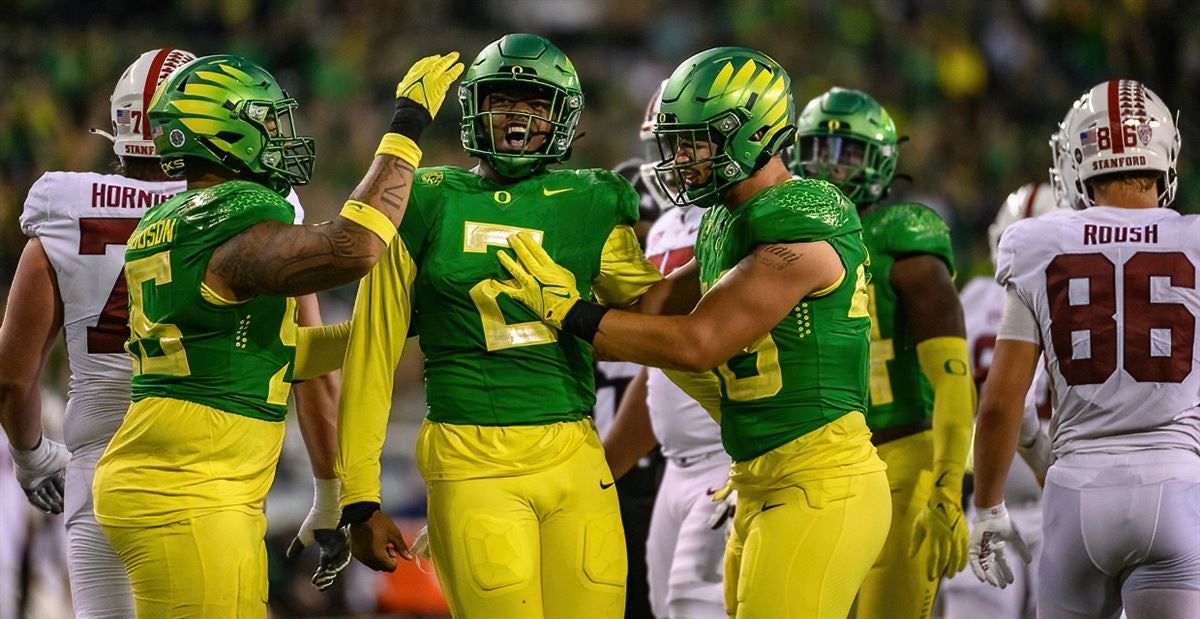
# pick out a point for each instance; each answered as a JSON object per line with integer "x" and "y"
{"x": 745, "y": 305}
{"x": 280, "y": 259}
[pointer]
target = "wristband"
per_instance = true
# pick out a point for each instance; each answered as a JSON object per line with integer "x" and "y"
{"x": 583, "y": 320}
{"x": 410, "y": 118}
{"x": 400, "y": 146}
{"x": 370, "y": 218}
{"x": 357, "y": 513}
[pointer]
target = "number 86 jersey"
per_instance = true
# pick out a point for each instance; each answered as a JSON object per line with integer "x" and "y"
{"x": 1114, "y": 293}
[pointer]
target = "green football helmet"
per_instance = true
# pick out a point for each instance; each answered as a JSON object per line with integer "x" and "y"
{"x": 724, "y": 113}
{"x": 848, "y": 139}
{"x": 520, "y": 64}
{"x": 231, "y": 112}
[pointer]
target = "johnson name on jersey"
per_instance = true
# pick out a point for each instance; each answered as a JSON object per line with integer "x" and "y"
{"x": 187, "y": 343}
{"x": 1114, "y": 293}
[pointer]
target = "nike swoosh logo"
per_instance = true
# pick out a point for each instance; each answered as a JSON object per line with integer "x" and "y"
{"x": 561, "y": 295}
{"x": 766, "y": 507}
{"x": 604, "y": 486}
{"x": 546, "y": 191}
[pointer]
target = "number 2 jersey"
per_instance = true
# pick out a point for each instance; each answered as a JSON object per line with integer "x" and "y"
{"x": 1114, "y": 293}
{"x": 489, "y": 361}
{"x": 811, "y": 368}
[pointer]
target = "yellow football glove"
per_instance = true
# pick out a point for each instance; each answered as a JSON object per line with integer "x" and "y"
{"x": 538, "y": 282}
{"x": 428, "y": 80}
{"x": 941, "y": 530}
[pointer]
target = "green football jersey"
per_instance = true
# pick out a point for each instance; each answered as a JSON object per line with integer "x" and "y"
{"x": 900, "y": 393}
{"x": 236, "y": 357}
{"x": 488, "y": 359}
{"x": 811, "y": 368}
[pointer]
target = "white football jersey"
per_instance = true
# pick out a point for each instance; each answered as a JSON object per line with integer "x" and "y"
{"x": 83, "y": 220}
{"x": 612, "y": 379}
{"x": 1114, "y": 294}
{"x": 682, "y": 426}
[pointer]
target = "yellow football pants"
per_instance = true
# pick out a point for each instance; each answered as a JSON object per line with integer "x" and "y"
{"x": 801, "y": 551}
{"x": 210, "y": 566}
{"x": 179, "y": 492}
{"x": 896, "y": 586}
{"x": 546, "y": 544}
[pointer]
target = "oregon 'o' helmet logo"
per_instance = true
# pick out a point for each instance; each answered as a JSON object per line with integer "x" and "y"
{"x": 176, "y": 136}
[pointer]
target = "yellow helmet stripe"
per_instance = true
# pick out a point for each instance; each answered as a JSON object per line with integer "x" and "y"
{"x": 203, "y": 126}
{"x": 199, "y": 107}
{"x": 743, "y": 76}
{"x": 205, "y": 91}
{"x": 721, "y": 80}
{"x": 241, "y": 75}
{"x": 219, "y": 78}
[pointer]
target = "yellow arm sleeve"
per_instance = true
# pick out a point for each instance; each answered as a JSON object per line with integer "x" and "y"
{"x": 944, "y": 362}
{"x": 320, "y": 350}
{"x": 378, "y": 330}
{"x": 625, "y": 274}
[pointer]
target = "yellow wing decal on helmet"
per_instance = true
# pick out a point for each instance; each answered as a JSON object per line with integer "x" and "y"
{"x": 204, "y": 91}
{"x": 241, "y": 75}
{"x": 721, "y": 80}
{"x": 198, "y": 107}
{"x": 219, "y": 78}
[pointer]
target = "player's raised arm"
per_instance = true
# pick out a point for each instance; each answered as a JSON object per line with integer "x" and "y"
{"x": 219, "y": 120}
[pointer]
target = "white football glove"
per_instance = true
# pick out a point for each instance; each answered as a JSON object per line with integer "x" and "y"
{"x": 724, "y": 506}
{"x": 992, "y": 533}
{"x": 41, "y": 472}
{"x": 321, "y": 526}
{"x": 420, "y": 549}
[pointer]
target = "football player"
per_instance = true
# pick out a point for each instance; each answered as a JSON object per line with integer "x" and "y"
{"x": 1106, "y": 296}
{"x": 922, "y": 396}
{"x": 637, "y": 488}
{"x": 963, "y": 596}
{"x": 782, "y": 325}
{"x": 68, "y": 277}
{"x": 523, "y": 519}
{"x": 683, "y": 552}
{"x": 212, "y": 333}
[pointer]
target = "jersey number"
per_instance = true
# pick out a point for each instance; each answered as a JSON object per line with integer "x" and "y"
{"x": 170, "y": 358}
{"x": 882, "y": 351}
{"x": 112, "y": 329}
{"x": 1142, "y": 317}
{"x": 497, "y": 333}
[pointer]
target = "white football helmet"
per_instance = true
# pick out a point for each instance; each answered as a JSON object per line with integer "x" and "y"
{"x": 131, "y": 129}
{"x": 1060, "y": 151}
{"x": 1121, "y": 126}
{"x": 650, "y": 153}
{"x": 1030, "y": 200}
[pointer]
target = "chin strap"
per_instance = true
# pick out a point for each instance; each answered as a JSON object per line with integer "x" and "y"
{"x": 104, "y": 133}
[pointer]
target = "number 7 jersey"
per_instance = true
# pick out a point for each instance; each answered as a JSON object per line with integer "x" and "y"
{"x": 1114, "y": 294}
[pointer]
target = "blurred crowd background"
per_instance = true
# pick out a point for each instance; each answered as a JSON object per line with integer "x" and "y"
{"x": 977, "y": 87}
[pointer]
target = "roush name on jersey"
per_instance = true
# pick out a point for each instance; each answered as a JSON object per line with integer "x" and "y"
{"x": 1094, "y": 234}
